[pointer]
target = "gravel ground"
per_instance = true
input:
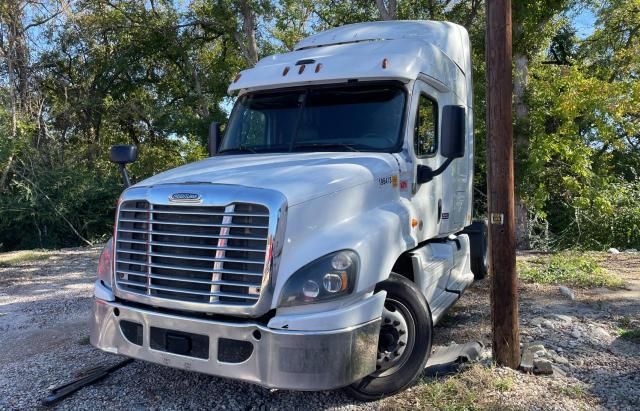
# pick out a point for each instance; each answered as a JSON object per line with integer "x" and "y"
{"x": 44, "y": 306}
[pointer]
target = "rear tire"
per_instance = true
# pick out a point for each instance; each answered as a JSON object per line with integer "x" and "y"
{"x": 478, "y": 238}
{"x": 404, "y": 344}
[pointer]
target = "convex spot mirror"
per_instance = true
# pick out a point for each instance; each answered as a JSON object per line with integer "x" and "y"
{"x": 452, "y": 131}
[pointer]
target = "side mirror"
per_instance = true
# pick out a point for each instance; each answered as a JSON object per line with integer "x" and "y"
{"x": 215, "y": 137}
{"x": 453, "y": 131}
{"x": 123, "y": 154}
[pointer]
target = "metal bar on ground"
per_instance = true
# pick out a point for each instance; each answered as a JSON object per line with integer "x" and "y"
{"x": 62, "y": 391}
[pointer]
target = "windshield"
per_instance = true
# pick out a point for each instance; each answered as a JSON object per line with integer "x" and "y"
{"x": 346, "y": 118}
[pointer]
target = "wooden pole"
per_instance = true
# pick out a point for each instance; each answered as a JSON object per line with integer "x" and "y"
{"x": 504, "y": 286}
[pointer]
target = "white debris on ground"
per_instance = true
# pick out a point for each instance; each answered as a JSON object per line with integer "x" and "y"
{"x": 567, "y": 292}
{"x": 44, "y": 307}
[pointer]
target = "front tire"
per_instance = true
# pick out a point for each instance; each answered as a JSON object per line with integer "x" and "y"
{"x": 404, "y": 343}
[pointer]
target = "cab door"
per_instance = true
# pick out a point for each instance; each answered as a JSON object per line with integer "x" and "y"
{"x": 427, "y": 197}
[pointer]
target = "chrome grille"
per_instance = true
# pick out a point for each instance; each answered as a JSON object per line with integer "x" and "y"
{"x": 201, "y": 254}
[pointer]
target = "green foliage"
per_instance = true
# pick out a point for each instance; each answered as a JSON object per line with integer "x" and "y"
{"x": 155, "y": 74}
{"x": 628, "y": 329}
{"x": 19, "y": 257}
{"x": 632, "y": 335}
{"x": 35, "y": 209}
{"x": 503, "y": 384}
{"x": 567, "y": 268}
{"x": 466, "y": 390}
{"x": 579, "y": 174}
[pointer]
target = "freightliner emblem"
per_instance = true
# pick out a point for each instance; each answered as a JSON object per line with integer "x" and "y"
{"x": 185, "y": 198}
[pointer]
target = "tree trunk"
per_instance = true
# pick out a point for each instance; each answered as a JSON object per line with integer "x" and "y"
{"x": 16, "y": 54}
{"x": 247, "y": 39}
{"x": 10, "y": 14}
{"x": 521, "y": 78}
{"x": 203, "y": 109}
{"x": 388, "y": 11}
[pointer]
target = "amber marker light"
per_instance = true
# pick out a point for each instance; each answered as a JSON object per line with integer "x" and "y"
{"x": 414, "y": 223}
{"x": 345, "y": 281}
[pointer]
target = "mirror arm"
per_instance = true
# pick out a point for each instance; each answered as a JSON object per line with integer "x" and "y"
{"x": 214, "y": 139}
{"x": 125, "y": 175}
{"x": 426, "y": 174}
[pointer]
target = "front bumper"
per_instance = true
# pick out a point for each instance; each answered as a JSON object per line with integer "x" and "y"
{"x": 297, "y": 360}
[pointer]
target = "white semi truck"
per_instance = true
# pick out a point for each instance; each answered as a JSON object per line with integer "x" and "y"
{"x": 327, "y": 233}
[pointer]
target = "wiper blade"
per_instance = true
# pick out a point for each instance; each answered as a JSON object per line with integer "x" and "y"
{"x": 239, "y": 149}
{"x": 327, "y": 145}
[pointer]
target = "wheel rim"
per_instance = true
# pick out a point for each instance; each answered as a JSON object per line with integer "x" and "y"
{"x": 397, "y": 337}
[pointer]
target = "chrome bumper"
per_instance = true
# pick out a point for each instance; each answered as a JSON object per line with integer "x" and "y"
{"x": 297, "y": 360}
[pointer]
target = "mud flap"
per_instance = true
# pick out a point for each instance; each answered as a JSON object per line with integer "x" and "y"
{"x": 447, "y": 360}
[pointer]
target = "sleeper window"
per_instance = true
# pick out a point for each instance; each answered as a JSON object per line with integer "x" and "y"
{"x": 425, "y": 139}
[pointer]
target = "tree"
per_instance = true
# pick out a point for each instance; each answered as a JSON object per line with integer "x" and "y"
{"x": 533, "y": 25}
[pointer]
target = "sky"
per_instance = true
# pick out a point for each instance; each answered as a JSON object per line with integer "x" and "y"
{"x": 584, "y": 22}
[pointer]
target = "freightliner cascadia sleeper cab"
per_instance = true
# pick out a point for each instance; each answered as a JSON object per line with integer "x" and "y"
{"x": 327, "y": 233}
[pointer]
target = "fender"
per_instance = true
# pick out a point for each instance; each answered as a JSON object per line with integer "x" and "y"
{"x": 372, "y": 221}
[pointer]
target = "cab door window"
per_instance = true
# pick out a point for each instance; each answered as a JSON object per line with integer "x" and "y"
{"x": 425, "y": 130}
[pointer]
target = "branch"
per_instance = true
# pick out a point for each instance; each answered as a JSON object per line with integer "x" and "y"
{"x": 41, "y": 22}
{"x": 54, "y": 208}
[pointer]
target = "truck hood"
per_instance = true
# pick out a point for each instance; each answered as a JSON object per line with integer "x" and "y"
{"x": 299, "y": 176}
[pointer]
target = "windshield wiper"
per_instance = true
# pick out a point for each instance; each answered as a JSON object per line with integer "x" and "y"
{"x": 240, "y": 149}
{"x": 326, "y": 145}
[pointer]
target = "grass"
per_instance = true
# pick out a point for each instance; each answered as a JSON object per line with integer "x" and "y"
{"x": 451, "y": 394}
{"x": 573, "y": 391}
{"x": 632, "y": 334}
{"x": 567, "y": 268}
{"x": 19, "y": 257}
{"x": 463, "y": 391}
{"x": 503, "y": 384}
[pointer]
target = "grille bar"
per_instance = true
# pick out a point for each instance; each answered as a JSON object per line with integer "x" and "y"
{"x": 213, "y": 255}
{"x": 190, "y": 280}
{"x": 202, "y": 247}
{"x": 229, "y": 237}
{"x": 135, "y": 210}
{"x": 194, "y": 292}
{"x": 199, "y": 258}
{"x": 166, "y": 222}
{"x": 185, "y": 268}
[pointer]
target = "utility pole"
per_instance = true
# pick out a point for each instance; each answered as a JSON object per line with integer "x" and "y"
{"x": 500, "y": 179}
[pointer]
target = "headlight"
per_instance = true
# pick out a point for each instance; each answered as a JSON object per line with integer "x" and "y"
{"x": 326, "y": 278}
{"x": 105, "y": 264}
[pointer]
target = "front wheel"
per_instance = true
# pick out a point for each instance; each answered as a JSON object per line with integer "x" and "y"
{"x": 404, "y": 343}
